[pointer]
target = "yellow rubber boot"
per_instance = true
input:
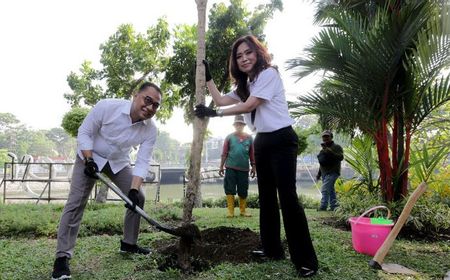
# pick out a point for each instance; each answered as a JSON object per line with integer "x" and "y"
{"x": 242, "y": 206}
{"x": 230, "y": 205}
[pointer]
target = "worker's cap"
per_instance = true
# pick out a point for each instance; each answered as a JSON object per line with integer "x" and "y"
{"x": 327, "y": 133}
{"x": 239, "y": 119}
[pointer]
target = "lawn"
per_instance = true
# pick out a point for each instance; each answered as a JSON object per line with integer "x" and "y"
{"x": 27, "y": 248}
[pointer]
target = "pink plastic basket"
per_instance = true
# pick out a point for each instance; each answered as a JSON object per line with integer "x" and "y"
{"x": 367, "y": 237}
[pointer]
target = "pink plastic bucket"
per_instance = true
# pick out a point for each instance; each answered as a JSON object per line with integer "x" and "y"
{"x": 367, "y": 237}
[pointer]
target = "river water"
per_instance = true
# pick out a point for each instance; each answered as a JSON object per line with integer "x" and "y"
{"x": 175, "y": 192}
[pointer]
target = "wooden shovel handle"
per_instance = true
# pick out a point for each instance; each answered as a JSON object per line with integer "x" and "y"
{"x": 387, "y": 244}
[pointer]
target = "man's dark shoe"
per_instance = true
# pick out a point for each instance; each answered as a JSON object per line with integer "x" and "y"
{"x": 305, "y": 272}
{"x": 260, "y": 255}
{"x": 133, "y": 249}
{"x": 61, "y": 269}
{"x": 322, "y": 209}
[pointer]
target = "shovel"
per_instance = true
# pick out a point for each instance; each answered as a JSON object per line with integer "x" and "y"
{"x": 187, "y": 232}
{"x": 377, "y": 261}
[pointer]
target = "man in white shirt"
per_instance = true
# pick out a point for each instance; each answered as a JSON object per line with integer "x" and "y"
{"x": 105, "y": 139}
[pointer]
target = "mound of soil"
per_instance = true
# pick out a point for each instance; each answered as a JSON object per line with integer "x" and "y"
{"x": 217, "y": 245}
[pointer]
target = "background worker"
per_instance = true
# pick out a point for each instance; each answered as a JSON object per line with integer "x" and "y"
{"x": 237, "y": 153}
{"x": 330, "y": 157}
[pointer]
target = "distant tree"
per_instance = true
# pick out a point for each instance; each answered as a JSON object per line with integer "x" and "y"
{"x": 166, "y": 149}
{"x": 8, "y": 121}
{"x": 4, "y": 157}
{"x": 73, "y": 119}
{"x": 307, "y": 126}
{"x": 302, "y": 139}
{"x": 14, "y": 136}
{"x": 65, "y": 145}
{"x": 41, "y": 145}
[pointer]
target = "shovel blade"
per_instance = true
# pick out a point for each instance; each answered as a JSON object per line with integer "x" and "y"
{"x": 394, "y": 268}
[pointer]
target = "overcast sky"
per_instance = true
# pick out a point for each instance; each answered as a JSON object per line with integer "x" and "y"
{"x": 43, "y": 41}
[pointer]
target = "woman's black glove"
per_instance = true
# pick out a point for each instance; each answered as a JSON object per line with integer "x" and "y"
{"x": 133, "y": 195}
{"x": 202, "y": 111}
{"x": 90, "y": 168}
{"x": 208, "y": 76}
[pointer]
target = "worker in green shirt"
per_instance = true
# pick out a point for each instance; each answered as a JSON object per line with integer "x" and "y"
{"x": 236, "y": 162}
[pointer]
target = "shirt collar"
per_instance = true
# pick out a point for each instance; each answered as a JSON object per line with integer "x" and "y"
{"x": 127, "y": 111}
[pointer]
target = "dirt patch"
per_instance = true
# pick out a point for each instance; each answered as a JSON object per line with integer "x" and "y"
{"x": 217, "y": 245}
{"x": 410, "y": 232}
{"x": 333, "y": 222}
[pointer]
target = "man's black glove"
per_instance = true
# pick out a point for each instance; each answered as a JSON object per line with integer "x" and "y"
{"x": 90, "y": 168}
{"x": 208, "y": 76}
{"x": 202, "y": 111}
{"x": 133, "y": 195}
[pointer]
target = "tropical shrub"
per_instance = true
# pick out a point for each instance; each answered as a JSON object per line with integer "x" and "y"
{"x": 361, "y": 156}
{"x": 383, "y": 68}
{"x": 429, "y": 216}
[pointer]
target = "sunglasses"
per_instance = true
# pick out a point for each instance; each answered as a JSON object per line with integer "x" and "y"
{"x": 149, "y": 102}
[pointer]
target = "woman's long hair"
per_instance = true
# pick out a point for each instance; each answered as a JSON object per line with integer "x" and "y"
{"x": 240, "y": 78}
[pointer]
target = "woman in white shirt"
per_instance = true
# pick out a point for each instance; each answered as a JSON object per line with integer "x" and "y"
{"x": 259, "y": 94}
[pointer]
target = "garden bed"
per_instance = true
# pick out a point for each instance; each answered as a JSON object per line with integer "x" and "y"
{"x": 217, "y": 245}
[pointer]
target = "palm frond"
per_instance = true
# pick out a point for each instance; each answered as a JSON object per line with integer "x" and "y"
{"x": 435, "y": 96}
{"x": 425, "y": 160}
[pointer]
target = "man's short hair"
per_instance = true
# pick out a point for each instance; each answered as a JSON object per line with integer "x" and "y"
{"x": 149, "y": 84}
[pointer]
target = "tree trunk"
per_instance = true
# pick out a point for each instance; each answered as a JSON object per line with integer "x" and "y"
{"x": 199, "y": 125}
{"x": 384, "y": 161}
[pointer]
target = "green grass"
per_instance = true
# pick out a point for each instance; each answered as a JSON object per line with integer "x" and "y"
{"x": 30, "y": 255}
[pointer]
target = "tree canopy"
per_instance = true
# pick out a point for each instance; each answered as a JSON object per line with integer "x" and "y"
{"x": 128, "y": 58}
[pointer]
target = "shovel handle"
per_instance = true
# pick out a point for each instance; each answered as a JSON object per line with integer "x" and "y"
{"x": 387, "y": 244}
{"x": 139, "y": 210}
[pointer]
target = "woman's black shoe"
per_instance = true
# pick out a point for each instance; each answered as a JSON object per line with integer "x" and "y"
{"x": 259, "y": 254}
{"x": 305, "y": 272}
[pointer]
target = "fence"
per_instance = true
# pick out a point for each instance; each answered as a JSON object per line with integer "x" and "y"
{"x": 49, "y": 181}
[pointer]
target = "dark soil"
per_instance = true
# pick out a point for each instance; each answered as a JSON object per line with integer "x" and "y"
{"x": 234, "y": 245}
{"x": 217, "y": 245}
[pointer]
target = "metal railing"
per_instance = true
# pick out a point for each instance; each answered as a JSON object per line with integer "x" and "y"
{"x": 49, "y": 181}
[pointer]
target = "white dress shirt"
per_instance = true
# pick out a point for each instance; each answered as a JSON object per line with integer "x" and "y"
{"x": 273, "y": 114}
{"x": 109, "y": 132}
